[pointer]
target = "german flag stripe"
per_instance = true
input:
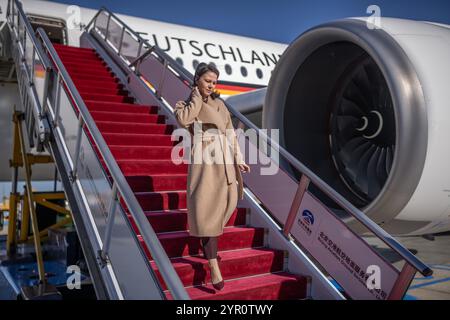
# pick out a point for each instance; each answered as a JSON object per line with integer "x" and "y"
{"x": 227, "y": 89}
{"x": 233, "y": 89}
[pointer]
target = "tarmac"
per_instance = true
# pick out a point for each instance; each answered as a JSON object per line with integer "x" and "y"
{"x": 436, "y": 254}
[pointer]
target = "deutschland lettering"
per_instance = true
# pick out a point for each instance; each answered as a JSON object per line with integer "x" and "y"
{"x": 215, "y": 51}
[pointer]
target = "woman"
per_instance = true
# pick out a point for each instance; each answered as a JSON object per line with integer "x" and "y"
{"x": 213, "y": 187}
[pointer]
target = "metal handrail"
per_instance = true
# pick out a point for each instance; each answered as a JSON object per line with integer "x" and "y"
{"x": 158, "y": 253}
{"x": 307, "y": 175}
{"x": 323, "y": 186}
{"x": 30, "y": 31}
{"x": 142, "y": 57}
{"x": 318, "y": 182}
{"x": 170, "y": 61}
{"x": 43, "y": 127}
{"x": 339, "y": 199}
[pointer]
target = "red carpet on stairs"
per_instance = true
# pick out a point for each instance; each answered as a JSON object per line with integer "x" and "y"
{"x": 140, "y": 141}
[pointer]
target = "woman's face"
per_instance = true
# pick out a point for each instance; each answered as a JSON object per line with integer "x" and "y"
{"x": 207, "y": 83}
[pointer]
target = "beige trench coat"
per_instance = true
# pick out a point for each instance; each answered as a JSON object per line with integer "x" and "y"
{"x": 214, "y": 184}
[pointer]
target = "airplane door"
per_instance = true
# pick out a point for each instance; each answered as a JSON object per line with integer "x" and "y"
{"x": 55, "y": 29}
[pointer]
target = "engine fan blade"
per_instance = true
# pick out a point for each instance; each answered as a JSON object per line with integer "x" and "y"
{"x": 362, "y": 180}
{"x": 346, "y": 121}
{"x": 348, "y": 133}
{"x": 352, "y": 167}
{"x": 372, "y": 176}
{"x": 364, "y": 85}
{"x": 389, "y": 158}
{"x": 381, "y": 172}
{"x": 374, "y": 79}
{"x": 355, "y": 94}
{"x": 349, "y": 107}
{"x": 346, "y": 153}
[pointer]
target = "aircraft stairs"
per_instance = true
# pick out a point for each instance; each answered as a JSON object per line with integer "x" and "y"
{"x": 103, "y": 110}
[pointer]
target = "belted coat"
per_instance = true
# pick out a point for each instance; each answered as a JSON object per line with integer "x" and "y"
{"x": 214, "y": 182}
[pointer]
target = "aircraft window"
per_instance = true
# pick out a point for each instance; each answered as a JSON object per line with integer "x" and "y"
{"x": 228, "y": 69}
{"x": 259, "y": 73}
{"x": 179, "y": 61}
{"x": 195, "y": 64}
{"x": 244, "y": 71}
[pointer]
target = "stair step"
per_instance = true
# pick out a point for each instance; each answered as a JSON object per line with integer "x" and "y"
{"x": 117, "y": 107}
{"x": 157, "y": 182}
{"x": 127, "y": 117}
{"x": 71, "y": 48}
{"x": 82, "y": 62}
{"x": 91, "y": 67}
{"x": 65, "y": 48}
{"x": 142, "y": 152}
{"x": 106, "y": 97}
{"x": 162, "y": 200}
{"x": 137, "y": 139}
{"x": 91, "y": 72}
{"x": 86, "y": 55}
{"x": 146, "y": 128}
{"x": 96, "y": 84}
{"x": 107, "y": 79}
{"x": 181, "y": 244}
{"x": 148, "y": 167}
{"x": 193, "y": 271}
{"x": 176, "y": 220}
{"x": 109, "y": 91}
{"x": 275, "y": 286}
{"x": 80, "y": 55}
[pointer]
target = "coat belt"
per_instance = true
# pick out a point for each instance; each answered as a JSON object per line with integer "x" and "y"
{"x": 212, "y": 136}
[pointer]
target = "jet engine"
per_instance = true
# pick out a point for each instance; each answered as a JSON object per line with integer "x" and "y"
{"x": 367, "y": 108}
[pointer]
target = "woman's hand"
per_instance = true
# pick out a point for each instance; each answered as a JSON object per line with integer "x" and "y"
{"x": 195, "y": 93}
{"x": 244, "y": 167}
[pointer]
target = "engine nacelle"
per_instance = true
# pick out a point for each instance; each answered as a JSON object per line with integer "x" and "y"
{"x": 368, "y": 110}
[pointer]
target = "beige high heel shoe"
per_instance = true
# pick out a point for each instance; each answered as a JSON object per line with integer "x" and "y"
{"x": 213, "y": 265}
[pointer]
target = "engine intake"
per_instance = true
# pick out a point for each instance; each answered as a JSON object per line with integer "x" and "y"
{"x": 350, "y": 103}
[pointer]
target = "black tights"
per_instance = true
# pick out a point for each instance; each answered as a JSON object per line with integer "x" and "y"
{"x": 209, "y": 247}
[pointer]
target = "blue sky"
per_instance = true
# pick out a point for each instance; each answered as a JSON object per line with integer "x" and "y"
{"x": 280, "y": 21}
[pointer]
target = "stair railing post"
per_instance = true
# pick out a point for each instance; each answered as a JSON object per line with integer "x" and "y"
{"x": 24, "y": 44}
{"x": 17, "y": 20}
{"x": 94, "y": 22}
{"x": 403, "y": 281}
{"x": 121, "y": 40}
{"x": 301, "y": 189}
{"x": 110, "y": 223}
{"x": 77, "y": 147}
{"x": 32, "y": 67}
{"x": 160, "y": 87}
{"x": 57, "y": 99}
{"x": 138, "y": 64}
{"x": 107, "y": 27}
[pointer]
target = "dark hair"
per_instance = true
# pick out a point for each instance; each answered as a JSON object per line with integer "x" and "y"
{"x": 203, "y": 68}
